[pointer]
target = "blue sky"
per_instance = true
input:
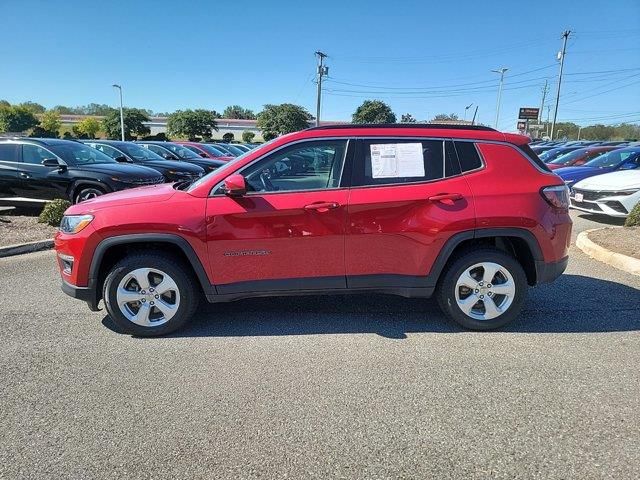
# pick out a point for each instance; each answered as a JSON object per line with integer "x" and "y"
{"x": 420, "y": 57}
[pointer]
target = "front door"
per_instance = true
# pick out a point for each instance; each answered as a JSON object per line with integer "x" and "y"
{"x": 287, "y": 232}
{"x": 408, "y": 196}
{"x": 37, "y": 181}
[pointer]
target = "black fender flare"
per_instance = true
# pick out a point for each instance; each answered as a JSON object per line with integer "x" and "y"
{"x": 137, "y": 238}
{"x": 453, "y": 242}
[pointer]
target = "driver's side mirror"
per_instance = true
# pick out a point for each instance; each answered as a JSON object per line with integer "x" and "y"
{"x": 203, "y": 155}
{"x": 235, "y": 185}
{"x": 50, "y": 162}
{"x": 629, "y": 166}
{"x": 121, "y": 159}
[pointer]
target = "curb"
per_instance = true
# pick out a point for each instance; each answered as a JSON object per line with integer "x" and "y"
{"x": 30, "y": 247}
{"x": 618, "y": 260}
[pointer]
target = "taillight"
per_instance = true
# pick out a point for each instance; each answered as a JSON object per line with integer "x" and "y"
{"x": 556, "y": 196}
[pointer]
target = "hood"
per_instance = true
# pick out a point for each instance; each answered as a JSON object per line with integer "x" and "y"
{"x": 133, "y": 196}
{"x": 127, "y": 169}
{"x": 626, "y": 179}
{"x": 174, "y": 165}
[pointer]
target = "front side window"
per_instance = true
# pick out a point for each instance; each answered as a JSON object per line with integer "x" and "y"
{"x": 138, "y": 153}
{"x": 107, "y": 150}
{"x": 181, "y": 151}
{"x": 397, "y": 161}
{"x": 35, "y": 155}
{"x": 306, "y": 166}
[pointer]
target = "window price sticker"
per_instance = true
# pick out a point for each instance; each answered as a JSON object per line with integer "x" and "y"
{"x": 394, "y": 160}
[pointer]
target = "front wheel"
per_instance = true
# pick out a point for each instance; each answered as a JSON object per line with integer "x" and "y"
{"x": 149, "y": 294}
{"x": 87, "y": 193}
{"x": 483, "y": 289}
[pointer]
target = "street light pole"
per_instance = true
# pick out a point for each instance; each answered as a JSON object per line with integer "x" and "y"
{"x": 465, "y": 111}
{"x": 322, "y": 71}
{"x": 565, "y": 36}
{"x": 501, "y": 72}
{"x": 119, "y": 87}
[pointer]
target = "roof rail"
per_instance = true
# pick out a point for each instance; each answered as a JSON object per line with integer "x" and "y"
{"x": 405, "y": 125}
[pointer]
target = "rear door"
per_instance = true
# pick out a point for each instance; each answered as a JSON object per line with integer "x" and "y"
{"x": 287, "y": 232}
{"x": 9, "y": 162}
{"x": 407, "y": 198}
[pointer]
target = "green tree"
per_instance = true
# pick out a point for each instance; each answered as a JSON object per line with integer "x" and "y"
{"x": 237, "y": 112}
{"x": 247, "y": 136}
{"x": 16, "y": 119}
{"x": 374, "y": 111}
{"x": 407, "y": 118}
{"x": 49, "y": 125}
{"x": 277, "y": 120}
{"x": 451, "y": 117}
{"x": 33, "y": 107}
{"x": 4, "y": 103}
{"x": 192, "y": 123}
{"x": 228, "y": 137}
{"x": 134, "y": 126}
{"x": 268, "y": 136}
{"x": 87, "y": 127}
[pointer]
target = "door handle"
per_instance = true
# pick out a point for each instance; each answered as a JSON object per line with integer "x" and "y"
{"x": 24, "y": 175}
{"x": 322, "y": 206}
{"x": 446, "y": 198}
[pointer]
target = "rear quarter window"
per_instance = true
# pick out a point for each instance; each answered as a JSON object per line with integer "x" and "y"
{"x": 468, "y": 156}
{"x": 526, "y": 150}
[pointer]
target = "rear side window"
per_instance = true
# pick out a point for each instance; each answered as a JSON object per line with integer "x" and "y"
{"x": 526, "y": 150}
{"x": 468, "y": 156}
{"x": 9, "y": 152}
{"x": 401, "y": 160}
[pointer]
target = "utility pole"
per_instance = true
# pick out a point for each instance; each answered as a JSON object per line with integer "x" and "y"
{"x": 322, "y": 71}
{"x": 544, "y": 96}
{"x": 119, "y": 87}
{"x": 501, "y": 72}
{"x": 579, "y": 130}
{"x": 473, "y": 121}
{"x": 565, "y": 36}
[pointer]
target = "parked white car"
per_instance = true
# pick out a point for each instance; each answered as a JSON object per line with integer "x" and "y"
{"x": 613, "y": 194}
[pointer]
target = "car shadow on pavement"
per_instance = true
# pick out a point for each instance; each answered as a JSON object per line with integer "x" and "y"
{"x": 604, "y": 219}
{"x": 572, "y": 304}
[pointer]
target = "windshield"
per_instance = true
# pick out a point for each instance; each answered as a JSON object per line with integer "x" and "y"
{"x": 139, "y": 153}
{"x": 216, "y": 152}
{"x": 614, "y": 158}
{"x": 180, "y": 151}
{"x": 568, "y": 158}
{"x": 79, "y": 154}
{"x": 235, "y": 150}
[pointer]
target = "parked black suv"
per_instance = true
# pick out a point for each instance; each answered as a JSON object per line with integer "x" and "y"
{"x": 44, "y": 168}
{"x": 172, "y": 170}
{"x": 174, "y": 151}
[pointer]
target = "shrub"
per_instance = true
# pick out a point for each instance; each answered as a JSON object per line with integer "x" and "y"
{"x": 228, "y": 137}
{"x": 53, "y": 211}
{"x": 633, "y": 220}
{"x": 248, "y": 136}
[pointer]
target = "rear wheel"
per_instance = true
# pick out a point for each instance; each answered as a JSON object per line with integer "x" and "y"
{"x": 150, "y": 294}
{"x": 483, "y": 289}
{"x": 87, "y": 193}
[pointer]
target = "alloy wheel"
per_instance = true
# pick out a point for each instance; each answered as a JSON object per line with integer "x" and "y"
{"x": 485, "y": 291}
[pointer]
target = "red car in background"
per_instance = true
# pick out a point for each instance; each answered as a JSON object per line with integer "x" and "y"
{"x": 578, "y": 157}
{"x": 207, "y": 151}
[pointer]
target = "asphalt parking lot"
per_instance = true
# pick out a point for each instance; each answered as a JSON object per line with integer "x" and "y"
{"x": 323, "y": 387}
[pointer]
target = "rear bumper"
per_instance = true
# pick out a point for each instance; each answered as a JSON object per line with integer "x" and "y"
{"x": 548, "y": 271}
{"x": 87, "y": 294}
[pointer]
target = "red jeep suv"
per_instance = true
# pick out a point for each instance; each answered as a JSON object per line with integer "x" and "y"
{"x": 466, "y": 213}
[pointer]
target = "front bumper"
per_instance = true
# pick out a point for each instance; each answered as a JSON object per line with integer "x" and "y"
{"x": 87, "y": 294}
{"x": 548, "y": 271}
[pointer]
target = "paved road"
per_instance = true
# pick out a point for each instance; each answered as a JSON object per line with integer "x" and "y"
{"x": 341, "y": 387}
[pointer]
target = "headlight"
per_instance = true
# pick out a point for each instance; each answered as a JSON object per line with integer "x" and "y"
{"x": 74, "y": 223}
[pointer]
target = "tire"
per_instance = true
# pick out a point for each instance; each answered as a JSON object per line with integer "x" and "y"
{"x": 455, "y": 292}
{"x": 153, "y": 312}
{"x": 86, "y": 193}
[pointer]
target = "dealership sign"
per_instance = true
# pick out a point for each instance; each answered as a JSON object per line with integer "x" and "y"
{"x": 528, "y": 113}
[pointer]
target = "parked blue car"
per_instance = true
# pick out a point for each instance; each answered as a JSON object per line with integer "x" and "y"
{"x": 620, "y": 159}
